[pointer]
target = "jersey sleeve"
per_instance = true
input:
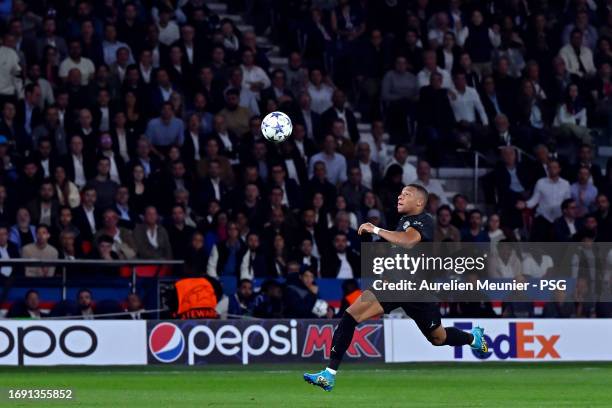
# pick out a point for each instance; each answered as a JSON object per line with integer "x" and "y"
{"x": 424, "y": 225}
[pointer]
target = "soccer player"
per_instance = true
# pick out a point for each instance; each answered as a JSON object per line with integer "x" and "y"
{"x": 415, "y": 226}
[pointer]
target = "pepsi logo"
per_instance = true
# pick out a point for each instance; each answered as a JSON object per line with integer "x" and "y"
{"x": 166, "y": 342}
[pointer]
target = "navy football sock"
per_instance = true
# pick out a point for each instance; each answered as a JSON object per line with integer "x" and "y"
{"x": 456, "y": 337}
{"x": 342, "y": 339}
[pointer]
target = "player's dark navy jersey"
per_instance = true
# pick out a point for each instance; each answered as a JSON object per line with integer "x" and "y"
{"x": 421, "y": 222}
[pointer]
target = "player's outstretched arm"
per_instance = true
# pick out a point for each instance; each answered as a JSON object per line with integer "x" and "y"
{"x": 406, "y": 239}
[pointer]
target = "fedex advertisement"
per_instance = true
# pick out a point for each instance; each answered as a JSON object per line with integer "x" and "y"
{"x": 509, "y": 340}
{"x": 197, "y": 342}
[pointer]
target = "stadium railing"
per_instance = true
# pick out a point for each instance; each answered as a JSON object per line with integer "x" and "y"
{"x": 132, "y": 264}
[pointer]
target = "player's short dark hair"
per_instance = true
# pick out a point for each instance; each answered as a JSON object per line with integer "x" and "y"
{"x": 421, "y": 190}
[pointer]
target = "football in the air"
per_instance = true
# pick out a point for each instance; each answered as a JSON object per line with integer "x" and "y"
{"x": 276, "y": 127}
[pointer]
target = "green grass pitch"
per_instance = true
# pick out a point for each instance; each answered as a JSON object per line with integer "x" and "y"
{"x": 358, "y": 385}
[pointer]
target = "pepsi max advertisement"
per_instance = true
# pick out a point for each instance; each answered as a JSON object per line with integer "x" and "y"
{"x": 200, "y": 342}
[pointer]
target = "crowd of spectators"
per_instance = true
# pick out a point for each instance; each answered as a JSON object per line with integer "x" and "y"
{"x": 132, "y": 130}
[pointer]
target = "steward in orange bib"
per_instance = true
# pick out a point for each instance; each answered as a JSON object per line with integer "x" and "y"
{"x": 196, "y": 298}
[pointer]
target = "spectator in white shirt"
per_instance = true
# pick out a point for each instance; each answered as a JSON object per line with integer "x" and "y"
{"x": 75, "y": 60}
{"x": 168, "y": 29}
{"x": 110, "y": 45}
{"x": 335, "y": 163}
{"x": 584, "y": 192}
{"x": 430, "y": 65}
{"x": 10, "y": 70}
{"x": 253, "y": 76}
{"x": 465, "y": 102}
{"x": 400, "y": 157}
{"x": 547, "y": 195}
{"x": 578, "y": 58}
{"x": 431, "y": 185}
{"x": 572, "y": 117}
{"x": 320, "y": 92}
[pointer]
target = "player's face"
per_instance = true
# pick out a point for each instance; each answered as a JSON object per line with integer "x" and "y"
{"x": 407, "y": 200}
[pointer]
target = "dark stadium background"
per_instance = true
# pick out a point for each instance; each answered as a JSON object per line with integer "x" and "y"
{"x": 116, "y": 122}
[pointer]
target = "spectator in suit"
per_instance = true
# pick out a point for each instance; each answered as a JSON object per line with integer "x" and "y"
{"x": 278, "y": 91}
{"x": 310, "y": 119}
{"x": 180, "y": 71}
{"x": 179, "y": 232}
{"x": 203, "y": 109}
{"x": 584, "y": 192}
{"x": 193, "y": 51}
{"x": 51, "y": 129}
{"x": 118, "y": 170}
{"x": 227, "y": 139}
{"x": 305, "y": 147}
{"x": 508, "y": 183}
{"x": 45, "y": 157}
{"x": 212, "y": 187}
{"x": 161, "y": 92}
{"x": 8, "y": 250}
{"x": 225, "y": 257}
{"x": 127, "y": 216}
{"x": 435, "y": 115}
{"x": 7, "y": 207}
{"x": 338, "y": 110}
{"x": 254, "y": 263}
{"x": 585, "y": 159}
{"x": 292, "y": 196}
{"x": 151, "y": 164}
{"x": 29, "y": 114}
{"x": 49, "y": 38}
{"x": 342, "y": 225}
{"x": 566, "y": 226}
{"x": 342, "y": 262}
{"x": 44, "y": 209}
{"x": 29, "y": 308}
{"x": 353, "y": 189}
{"x": 86, "y": 217}
{"x": 123, "y": 243}
{"x": 306, "y": 259}
{"x": 11, "y": 129}
{"x": 77, "y": 165}
{"x": 319, "y": 183}
{"x": 152, "y": 241}
{"x": 105, "y": 187}
{"x": 212, "y": 153}
{"x": 194, "y": 143}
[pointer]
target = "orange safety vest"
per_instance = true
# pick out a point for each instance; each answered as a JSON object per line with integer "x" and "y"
{"x": 353, "y": 296}
{"x": 196, "y": 298}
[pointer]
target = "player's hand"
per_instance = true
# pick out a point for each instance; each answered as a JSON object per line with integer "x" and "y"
{"x": 520, "y": 205}
{"x": 367, "y": 227}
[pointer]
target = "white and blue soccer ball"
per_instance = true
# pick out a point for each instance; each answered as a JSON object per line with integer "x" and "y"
{"x": 276, "y": 127}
